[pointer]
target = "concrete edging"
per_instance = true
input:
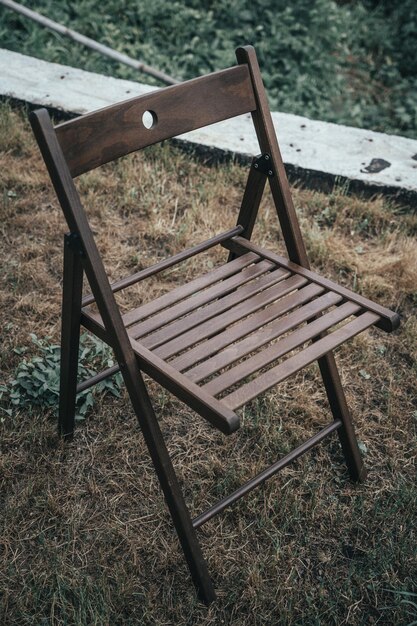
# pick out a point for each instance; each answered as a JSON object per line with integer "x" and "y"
{"x": 317, "y": 153}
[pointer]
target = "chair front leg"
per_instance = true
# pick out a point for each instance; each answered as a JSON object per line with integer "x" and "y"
{"x": 169, "y": 483}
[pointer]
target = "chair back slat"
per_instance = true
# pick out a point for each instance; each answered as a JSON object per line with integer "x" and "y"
{"x": 102, "y": 136}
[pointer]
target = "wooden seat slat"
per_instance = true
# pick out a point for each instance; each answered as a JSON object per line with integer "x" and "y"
{"x": 389, "y": 320}
{"x": 187, "y": 289}
{"x": 279, "y": 349}
{"x": 188, "y": 306}
{"x": 165, "y": 264}
{"x": 272, "y": 329}
{"x": 210, "y": 327}
{"x": 246, "y": 326}
{"x": 290, "y": 366}
{"x": 200, "y": 315}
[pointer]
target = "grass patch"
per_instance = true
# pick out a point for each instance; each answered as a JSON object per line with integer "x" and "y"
{"x": 85, "y": 536}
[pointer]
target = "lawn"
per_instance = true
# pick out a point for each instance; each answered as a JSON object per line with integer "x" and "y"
{"x": 85, "y": 535}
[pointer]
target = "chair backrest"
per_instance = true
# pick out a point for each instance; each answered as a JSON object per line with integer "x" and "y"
{"x": 84, "y": 143}
{"x": 96, "y": 138}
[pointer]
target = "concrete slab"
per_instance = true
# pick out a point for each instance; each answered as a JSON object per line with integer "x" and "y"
{"x": 314, "y": 151}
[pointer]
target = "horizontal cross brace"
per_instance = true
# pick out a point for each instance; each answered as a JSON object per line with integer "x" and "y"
{"x": 86, "y": 384}
{"x": 169, "y": 262}
{"x": 265, "y": 474}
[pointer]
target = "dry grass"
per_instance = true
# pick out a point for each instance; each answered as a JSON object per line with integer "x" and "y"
{"x": 85, "y": 537}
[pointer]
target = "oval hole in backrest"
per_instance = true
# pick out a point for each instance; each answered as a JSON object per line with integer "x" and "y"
{"x": 149, "y": 119}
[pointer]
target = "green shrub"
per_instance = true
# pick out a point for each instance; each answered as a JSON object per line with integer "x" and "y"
{"x": 36, "y": 380}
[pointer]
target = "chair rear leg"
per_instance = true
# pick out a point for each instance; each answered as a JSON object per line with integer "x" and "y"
{"x": 169, "y": 483}
{"x": 70, "y": 337}
{"x": 340, "y": 410}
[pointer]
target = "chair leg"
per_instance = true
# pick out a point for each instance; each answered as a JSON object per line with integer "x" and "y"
{"x": 169, "y": 484}
{"x": 340, "y": 410}
{"x": 70, "y": 337}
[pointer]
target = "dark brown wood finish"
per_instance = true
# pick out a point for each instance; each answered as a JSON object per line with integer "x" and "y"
{"x": 235, "y": 313}
{"x": 250, "y": 203}
{"x": 184, "y": 291}
{"x": 247, "y": 326}
{"x": 97, "y": 138}
{"x": 266, "y": 474}
{"x": 128, "y": 363}
{"x": 282, "y": 371}
{"x": 268, "y": 144}
{"x": 169, "y": 262}
{"x": 204, "y": 404}
{"x": 389, "y": 320}
{"x": 220, "y": 328}
{"x": 189, "y": 305}
{"x": 270, "y": 330}
{"x": 90, "y": 382}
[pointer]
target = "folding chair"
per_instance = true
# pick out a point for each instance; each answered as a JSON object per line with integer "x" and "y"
{"x": 225, "y": 337}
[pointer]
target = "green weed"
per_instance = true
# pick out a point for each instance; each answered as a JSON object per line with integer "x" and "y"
{"x": 36, "y": 380}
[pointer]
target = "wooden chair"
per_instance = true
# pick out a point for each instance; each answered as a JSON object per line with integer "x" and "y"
{"x": 205, "y": 349}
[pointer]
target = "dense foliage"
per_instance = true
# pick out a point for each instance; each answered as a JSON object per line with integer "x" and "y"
{"x": 349, "y": 62}
{"x": 36, "y": 380}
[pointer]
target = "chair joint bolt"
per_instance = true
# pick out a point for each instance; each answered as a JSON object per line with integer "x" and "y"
{"x": 73, "y": 241}
{"x": 263, "y": 163}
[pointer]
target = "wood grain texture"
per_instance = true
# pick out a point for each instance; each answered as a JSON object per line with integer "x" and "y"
{"x": 238, "y": 311}
{"x": 389, "y": 320}
{"x": 97, "y": 138}
{"x": 282, "y": 371}
{"x": 151, "y": 270}
{"x": 271, "y": 322}
{"x": 188, "y": 289}
{"x": 279, "y": 349}
{"x": 188, "y": 305}
{"x": 179, "y": 293}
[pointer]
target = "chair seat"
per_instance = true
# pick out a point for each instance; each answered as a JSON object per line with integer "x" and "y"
{"x": 280, "y": 317}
